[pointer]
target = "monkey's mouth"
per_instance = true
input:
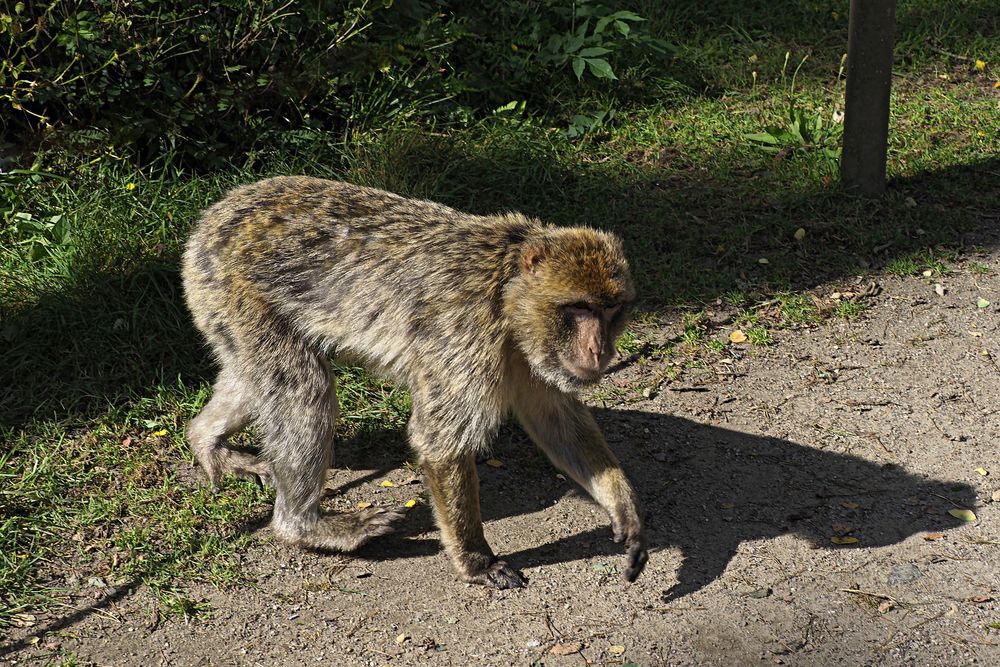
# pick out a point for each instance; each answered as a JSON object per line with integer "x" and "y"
{"x": 580, "y": 374}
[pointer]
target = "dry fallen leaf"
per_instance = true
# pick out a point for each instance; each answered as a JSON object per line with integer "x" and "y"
{"x": 982, "y": 471}
{"x": 617, "y": 649}
{"x": 939, "y": 289}
{"x": 980, "y": 599}
{"x": 386, "y": 483}
{"x": 847, "y": 504}
{"x": 23, "y": 620}
{"x": 494, "y": 463}
{"x": 411, "y": 503}
{"x": 800, "y": 234}
{"x": 836, "y": 539}
{"x": 737, "y": 337}
{"x": 964, "y": 515}
{"x": 763, "y": 260}
{"x": 996, "y": 496}
{"x": 568, "y": 648}
{"x": 885, "y": 605}
{"x": 363, "y": 505}
{"x": 928, "y": 273}
{"x": 982, "y": 303}
{"x": 401, "y": 638}
{"x": 930, "y": 537}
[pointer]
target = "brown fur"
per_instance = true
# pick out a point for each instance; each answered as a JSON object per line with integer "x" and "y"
{"x": 479, "y": 317}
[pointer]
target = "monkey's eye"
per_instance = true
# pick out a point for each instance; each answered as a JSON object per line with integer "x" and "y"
{"x": 579, "y": 308}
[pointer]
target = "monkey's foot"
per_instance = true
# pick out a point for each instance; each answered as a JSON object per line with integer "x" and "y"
{"x": 347, "y": 532}
{"x": 223, "y": 460}
{"x": 499, "y": 575}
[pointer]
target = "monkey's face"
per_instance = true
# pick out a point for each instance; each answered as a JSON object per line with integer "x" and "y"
{"x": 574, "y": 304}
{"x": 588, "y": 332}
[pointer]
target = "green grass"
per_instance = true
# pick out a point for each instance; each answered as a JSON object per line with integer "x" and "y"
{"x": 99, "y": 356}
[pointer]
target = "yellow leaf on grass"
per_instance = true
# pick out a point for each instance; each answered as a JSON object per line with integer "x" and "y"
{"x": 363, "y": 505}
{"x": 494, "y": 463}
{"x": 158, "y": 434}
{"x": 737, "y": 337}
{"x": 980, "y": 64}
{"x": 964, "y": 515}
{"x": 836, "y": 539}
{"x": 800, "y": 233}
{"x": 386, "y": 483}
{"x": 411, "y": 503}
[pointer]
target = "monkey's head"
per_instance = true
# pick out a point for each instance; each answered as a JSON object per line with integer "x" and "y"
{"x": 569, "y": 303}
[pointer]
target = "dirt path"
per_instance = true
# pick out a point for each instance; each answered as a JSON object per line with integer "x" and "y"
{"x": 748, "y": 467}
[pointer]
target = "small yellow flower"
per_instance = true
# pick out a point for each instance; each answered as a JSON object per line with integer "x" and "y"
{"x": 130, "y": 186}
{"x": 980, "y": 64}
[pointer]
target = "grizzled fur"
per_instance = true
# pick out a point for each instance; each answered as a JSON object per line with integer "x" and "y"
{"x": 479, "y": 317}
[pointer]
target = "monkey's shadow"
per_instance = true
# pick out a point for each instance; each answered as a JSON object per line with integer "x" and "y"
{"x": 705, "y": 490}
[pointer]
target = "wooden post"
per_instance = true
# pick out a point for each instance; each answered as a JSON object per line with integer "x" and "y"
{"x": 870, "y": 39}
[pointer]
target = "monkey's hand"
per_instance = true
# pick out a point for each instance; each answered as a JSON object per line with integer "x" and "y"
{"x": 627, "y": 528}
{"x": 498, "y": 574}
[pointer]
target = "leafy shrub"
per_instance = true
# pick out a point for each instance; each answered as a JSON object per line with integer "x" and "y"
{"x": 208, "y": 78}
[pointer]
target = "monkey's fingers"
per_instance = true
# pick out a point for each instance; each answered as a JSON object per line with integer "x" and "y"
{"x": 638, "y": 556}
{"x": 501, "y": 576}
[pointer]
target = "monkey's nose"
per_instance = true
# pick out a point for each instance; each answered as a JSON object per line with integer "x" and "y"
{"x": 595, "y": 354}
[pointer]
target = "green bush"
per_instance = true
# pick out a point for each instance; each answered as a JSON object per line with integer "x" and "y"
{"x": 208, "y": 79}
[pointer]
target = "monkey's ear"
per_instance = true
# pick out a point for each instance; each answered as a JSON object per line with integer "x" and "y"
{"x": 533, "y": 256}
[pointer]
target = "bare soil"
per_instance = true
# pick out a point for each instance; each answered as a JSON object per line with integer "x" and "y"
{"x": 748, "y": 466}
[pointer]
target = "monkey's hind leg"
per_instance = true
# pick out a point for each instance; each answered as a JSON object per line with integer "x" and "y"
{"x": 299, "y": 414}
{"x": 227, "y": 412}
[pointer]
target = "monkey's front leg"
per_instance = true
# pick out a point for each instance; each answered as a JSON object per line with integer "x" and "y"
{"x": 450, "y": 469}
{"x": 566, "y": 431}
{"x": 455, "y": 486}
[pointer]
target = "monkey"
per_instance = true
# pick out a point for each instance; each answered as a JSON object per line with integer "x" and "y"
{"x": 479, "y": 317}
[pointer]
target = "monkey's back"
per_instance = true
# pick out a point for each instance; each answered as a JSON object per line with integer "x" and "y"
{"x": 354, "y": 269}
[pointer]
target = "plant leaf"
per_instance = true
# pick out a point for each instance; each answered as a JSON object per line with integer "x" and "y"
{"x": 963, "y": 514}
{"x": 600, "y": 68}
